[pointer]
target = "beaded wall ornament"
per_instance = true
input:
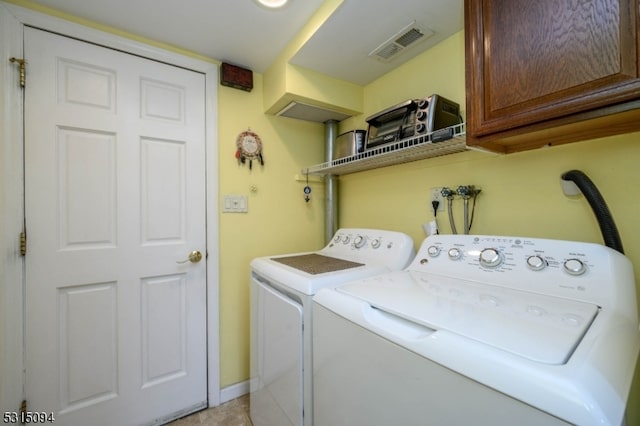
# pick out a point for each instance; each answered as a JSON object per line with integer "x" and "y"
{"x": 249, "y": 148}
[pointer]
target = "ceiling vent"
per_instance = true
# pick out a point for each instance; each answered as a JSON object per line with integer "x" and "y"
{"x": 408, "y": 36}
{"x": 307, "y": 112}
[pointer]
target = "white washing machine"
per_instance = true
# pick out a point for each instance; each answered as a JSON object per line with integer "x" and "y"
{"x": 480, "y": 330}
{"x": 282, "y": 288}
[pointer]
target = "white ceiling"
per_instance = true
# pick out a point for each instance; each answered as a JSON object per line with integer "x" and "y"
{"x": 242, "y": 33}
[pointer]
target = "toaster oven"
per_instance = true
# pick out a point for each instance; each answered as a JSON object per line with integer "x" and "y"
{"x": 412, "y": 117}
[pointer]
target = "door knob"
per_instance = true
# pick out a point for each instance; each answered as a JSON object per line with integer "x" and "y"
{"x": 194, "y": 257}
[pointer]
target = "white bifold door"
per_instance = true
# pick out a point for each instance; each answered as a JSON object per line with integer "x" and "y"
{"x": 114, "y": 200}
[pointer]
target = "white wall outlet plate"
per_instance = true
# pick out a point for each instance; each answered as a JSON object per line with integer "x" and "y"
{"x": 436, "y": 196}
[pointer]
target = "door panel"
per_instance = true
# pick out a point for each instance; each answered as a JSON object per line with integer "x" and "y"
{"x": 114, "y": 198}
{"x": 88, "y": 345}
{"x": 86, "y": 195}
{"x": 163, "y": 187}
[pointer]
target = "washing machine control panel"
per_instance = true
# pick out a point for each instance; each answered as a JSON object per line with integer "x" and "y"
{"x": 383, "y": 247}
{"x": 576, "y": 270}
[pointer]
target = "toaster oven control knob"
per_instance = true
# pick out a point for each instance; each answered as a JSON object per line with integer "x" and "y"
{"x": 490, "y": 258}
{"x": 455, "y": 253}
{"x": 575, "y": 266}
{"x": 421, "y": 115}
{"x": 423, "y": 103}
{"x": 359, "y": 241}
{"x": 420, "y": 128}
{"x": 536, "y": 263}
{"x": 433, "y": 251}
{"x": 375, "y": 243}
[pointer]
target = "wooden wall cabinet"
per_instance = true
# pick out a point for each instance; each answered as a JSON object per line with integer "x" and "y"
{"x": 545, "y": 72}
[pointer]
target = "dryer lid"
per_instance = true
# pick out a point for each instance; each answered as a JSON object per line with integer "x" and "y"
{"x": 315, "y": 263}
{"x": 541, "y": 328}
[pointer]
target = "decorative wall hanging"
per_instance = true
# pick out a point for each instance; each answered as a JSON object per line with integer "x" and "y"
{"x": 307, "y": 189}
{"x": 249, "y": 147}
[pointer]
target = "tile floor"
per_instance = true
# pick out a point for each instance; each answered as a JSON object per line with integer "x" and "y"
{"x": 232, "y": 413}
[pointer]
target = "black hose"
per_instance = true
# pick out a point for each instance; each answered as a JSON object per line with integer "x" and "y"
{"x": 599, "y": 206}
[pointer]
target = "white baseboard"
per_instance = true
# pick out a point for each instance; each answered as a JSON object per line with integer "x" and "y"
{"x": 234, "y": 391}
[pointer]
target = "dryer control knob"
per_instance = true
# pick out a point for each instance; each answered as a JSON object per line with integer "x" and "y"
{"x": 536, "y": 263}
{"x": 346, "y": 239}
{"x": 490, "y": 258}
{"x": 359, "y": 241}
{"x": 433, "y": 251}
{"x": 375, "y": 243}
{"x": 455, "y": 253}
{"x": 575, "y": 266}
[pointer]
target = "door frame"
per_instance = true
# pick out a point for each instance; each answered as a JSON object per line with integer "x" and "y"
{"x": 13, "y": 19}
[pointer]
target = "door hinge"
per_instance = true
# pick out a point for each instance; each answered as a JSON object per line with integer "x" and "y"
{"x": 21, "y": 64}
{"x": 23, "y": 243}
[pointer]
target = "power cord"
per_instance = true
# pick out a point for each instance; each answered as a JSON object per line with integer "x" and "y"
{"x": 433, "y": 226}
{"x": 473, "y": 208}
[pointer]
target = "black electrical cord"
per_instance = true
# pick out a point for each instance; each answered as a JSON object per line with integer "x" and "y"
{"x": 599, "y": 206}
{"x": 473, "y": 208}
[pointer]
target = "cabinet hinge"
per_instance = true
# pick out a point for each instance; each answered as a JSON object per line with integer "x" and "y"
{"x": 23, "y": 243}
{"x": 21, "y": 64}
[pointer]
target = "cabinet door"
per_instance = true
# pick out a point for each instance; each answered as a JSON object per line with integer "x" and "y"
{"x": 532, "y": 61}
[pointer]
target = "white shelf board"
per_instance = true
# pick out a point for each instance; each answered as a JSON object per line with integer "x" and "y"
{"x": 404, "y": 151}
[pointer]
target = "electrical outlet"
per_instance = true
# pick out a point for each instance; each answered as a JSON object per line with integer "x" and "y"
{"x": 436, "y": 196}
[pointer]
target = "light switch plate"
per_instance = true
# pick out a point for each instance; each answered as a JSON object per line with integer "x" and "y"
{"x": 235, "y": 204}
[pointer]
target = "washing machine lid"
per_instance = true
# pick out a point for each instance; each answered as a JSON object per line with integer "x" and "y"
{"x": 538, "y": 327}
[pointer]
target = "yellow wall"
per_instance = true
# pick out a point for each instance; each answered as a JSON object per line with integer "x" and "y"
{"x": 521, "y": 193}
{"x": 278, "y": 221}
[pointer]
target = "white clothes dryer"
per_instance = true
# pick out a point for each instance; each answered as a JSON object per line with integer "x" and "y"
{"x": 282, "y": 288}
{"x": 480, "y": 330}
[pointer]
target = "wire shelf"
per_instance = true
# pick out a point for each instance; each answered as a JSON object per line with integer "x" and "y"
{"x": 403, "y": 151}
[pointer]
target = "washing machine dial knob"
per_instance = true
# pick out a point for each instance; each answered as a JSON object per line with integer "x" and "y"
{"x": 375, "y": 243}
{"x": 490, "y": 258}
{"x": 575, "y": 266}
{"x": 346, "y": 239}
{"x": 359, "y": 241}
{"x": 536, "y": 263}
{"x": 455, "y": 253}
{"x": 433, "y": 251}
